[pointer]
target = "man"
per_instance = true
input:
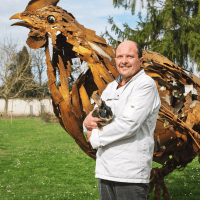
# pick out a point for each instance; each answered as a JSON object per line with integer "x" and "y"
{"x": 125, "y": 146}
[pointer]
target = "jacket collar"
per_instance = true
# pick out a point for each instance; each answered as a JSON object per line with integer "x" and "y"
{"x": 119, "y": 77}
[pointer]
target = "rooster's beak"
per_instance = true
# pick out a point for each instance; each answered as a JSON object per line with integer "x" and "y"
{"x": 24, "y": 23}
{"x": 16, "y": 16}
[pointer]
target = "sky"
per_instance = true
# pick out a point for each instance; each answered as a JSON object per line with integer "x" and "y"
{"x": 92, "y": 14}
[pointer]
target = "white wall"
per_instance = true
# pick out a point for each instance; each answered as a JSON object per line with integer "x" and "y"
{"x": 23, "y": 107}
{"x": 2, "y": 105}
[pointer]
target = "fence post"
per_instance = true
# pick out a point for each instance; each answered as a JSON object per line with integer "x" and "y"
{"x": 12, "y": 112}
{"x": 42, "y": 110}
{"x": 31, "y": 111}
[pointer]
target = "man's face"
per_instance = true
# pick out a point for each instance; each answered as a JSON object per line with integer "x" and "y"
{"x": 127, "y": 61}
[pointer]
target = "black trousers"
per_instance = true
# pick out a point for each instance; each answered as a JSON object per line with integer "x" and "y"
{"x": 111, "y": 190}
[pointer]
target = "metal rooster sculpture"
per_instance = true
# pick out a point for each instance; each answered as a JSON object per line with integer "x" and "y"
{"x": 177, "y": 128}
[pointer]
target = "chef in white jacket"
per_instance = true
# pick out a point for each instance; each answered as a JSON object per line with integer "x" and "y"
{"x": 125, "y": 146}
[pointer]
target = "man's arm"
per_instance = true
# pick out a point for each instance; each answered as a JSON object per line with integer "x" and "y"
{"x": 89, "y": 124}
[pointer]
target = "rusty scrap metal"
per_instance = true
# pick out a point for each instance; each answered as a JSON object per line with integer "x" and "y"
{"x": 177, "y": 138}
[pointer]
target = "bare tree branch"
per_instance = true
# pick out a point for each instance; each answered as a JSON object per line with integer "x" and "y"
{"x": 39, "y": 63}
{"x": 14, "y": 79}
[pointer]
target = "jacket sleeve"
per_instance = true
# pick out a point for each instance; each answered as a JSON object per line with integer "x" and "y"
{"x": 136, "y": 110}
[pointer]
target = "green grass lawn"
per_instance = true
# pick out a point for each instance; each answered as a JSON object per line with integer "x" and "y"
{"x": 41, "y": 161}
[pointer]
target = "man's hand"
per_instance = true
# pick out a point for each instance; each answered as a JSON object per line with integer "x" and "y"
{"x": 91, "y": 122}
{"x": 89, "y": 135}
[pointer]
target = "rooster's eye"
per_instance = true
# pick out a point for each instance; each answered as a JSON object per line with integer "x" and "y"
{"x": 51, "y": 19}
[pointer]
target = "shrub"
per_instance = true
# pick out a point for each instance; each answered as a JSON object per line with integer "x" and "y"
{"x": 46, "y": 117}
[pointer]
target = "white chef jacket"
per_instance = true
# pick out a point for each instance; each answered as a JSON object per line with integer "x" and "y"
{"x": 125, "y": 146}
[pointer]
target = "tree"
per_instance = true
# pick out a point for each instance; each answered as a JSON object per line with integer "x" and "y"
{"x": 39, "y": 63}
{"x": 171, "y": 28}
{"x": 22, "y": 59}
{"x": 39, "y": 66}
{"x": 15, "y": 72}
{"x": 128, "y": 4}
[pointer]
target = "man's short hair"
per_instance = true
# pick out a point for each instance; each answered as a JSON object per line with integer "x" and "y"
{"x": 138, "y": 47}
{"x": 139, "y": 50}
